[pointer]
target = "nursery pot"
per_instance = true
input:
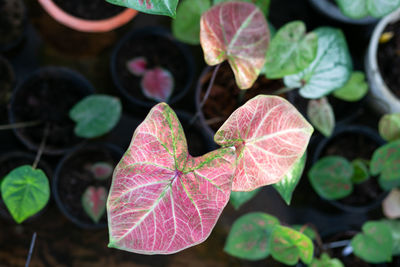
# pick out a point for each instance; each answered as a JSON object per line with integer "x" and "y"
{"x": 160, "y": 49}
{"x": 12, "y": 160}
{"x": 46, "y": 97}
{"x": 73, "y": 176}
{"x": 382, "y": 98}
{"x": 79, "y": 14}
{"x": 353, "y": 142}
{"x": 12, "y": 24}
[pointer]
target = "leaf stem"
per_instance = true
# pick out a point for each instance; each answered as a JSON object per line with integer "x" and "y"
{"x": 28, "y": 260}
{"x": 337, "y": 244}
{"x": 283, "y": 90}
{"x": 41, "y": 147}
{"x": 19, "y": 125}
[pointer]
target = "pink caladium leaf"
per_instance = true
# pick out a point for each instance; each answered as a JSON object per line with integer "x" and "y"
{"x": 158, "y": 84}
{"x": 269, "y": 135}
{"x": 137, "y": 66}
{"x": 94, "y": 202}
{"x": 163, "y": 200}
{"x": 238, "y": 32}
{"x": 101, "y": 170}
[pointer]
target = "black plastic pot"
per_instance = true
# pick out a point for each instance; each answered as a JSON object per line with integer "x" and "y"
{"x": 19, "y": 13}
{"x": 8, "y": 162}
{"x": 368, "y": 133}
{"x": 128, "y": 48}
{"x": 24, "y": 107}
{"x": 63, "y": 179}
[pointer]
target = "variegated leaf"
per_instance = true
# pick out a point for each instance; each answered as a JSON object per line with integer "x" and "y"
{"x": 158, "y": 7}
{"x": 321, "y": 115}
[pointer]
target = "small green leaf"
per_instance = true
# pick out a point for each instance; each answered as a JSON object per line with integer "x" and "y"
{"x": 291, "y": 50}
{"x": 361, "y": 173}
{"x": 331, "y": 177}
{"x": 355, "y": 88}
{"x": 389, "y": 127}
{"x": 286, "y": 186}
{"x": 386, "y": 163}
{"x": 288, "y": 245}
{"x": 25, "y": 192}
{"x": 375, "y": 244}
{"x": 157, "y": 7}
{"x": 326, "y": 261}
{"x": 321, "y": 115}
{"x": 355, "y": 9}
{"x": 95, "y": 115}
{"x": 305, "y": 229}
{"x": 249, "y": 236}
{"x": 395, "y": 231}
{"x": 263, "y": 5}
{"x": 239, "y": 198}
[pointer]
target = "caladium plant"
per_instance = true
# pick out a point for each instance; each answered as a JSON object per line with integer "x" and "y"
{"x": 101, "y": 170}
{"x": 94, "y": 202}
{"x": 157, "y": 7}
{"x": 321, "y": 115}
{"x": 358, "y": 9}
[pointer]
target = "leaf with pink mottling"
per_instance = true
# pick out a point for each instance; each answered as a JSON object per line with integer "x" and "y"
{"x": 94, "y": 202}
{"x": 158, "y": 84}
{"x": 157, "y": 7}
{"x": 162, "y": 200}
{"x": 239, "y": 33}
{"x": 102, "y": 170}
{"x": 137, "y": 66}
{"x": 269, "y": 135}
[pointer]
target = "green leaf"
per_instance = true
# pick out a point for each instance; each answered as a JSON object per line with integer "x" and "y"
{"x": 355, "y": 9}
{"x": 355, "y": 88}
{"x": 186, "y": 26}
{"x": 95, "y": 115}
{"x": 261, "y": 4}
{"x": 25, "y": 192}
{"x": 249, "y": 236}
{"x": 326, "y": 261}
{"x": 239, "y": 198}
{"x": 288, "y": 245}
{"x": 291, "y": 50}
{"x": 321, "y": 115}
{"x": 386, "y": 163}
{"x": 330, "y": 70}
{"x": 375, "y": 244}
{"x": 361, "y": 172}
{"x": 394, "y": 227}
{"x": 157, "y": 7}
{"x": 286, "y": 186}
{"x": 305, "y": 229}
{"x": 331, "y": 177}
{"x": 381, "y": 8}
{"x": 389, "y": 127}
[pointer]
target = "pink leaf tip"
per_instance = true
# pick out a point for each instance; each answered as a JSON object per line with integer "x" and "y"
{"x": 137, "y": 66}
{"x": 101, "y": 170}
{"x": 158, "y": 84}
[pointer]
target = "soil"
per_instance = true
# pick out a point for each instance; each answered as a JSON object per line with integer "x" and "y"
{"x": 6, "y": 85}
{"x": 168, "y": 56}
{"x": 75, "y": 177}
{"x": 48, "y": 98}
{"x": 226, "y": 92}
{"x": 12, "y": 16}
{"x": 388, "y": 57}
{"x": 353, "y": 146}
{"x": 90, "y": 10}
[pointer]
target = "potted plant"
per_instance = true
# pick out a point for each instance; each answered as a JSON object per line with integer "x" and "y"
{"x": 12, "y": 24}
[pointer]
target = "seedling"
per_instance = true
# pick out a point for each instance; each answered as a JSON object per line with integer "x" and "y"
{"x": 101, "y": 170}
{"x": 94, "y": 202}
{"x": 357, "y": 9}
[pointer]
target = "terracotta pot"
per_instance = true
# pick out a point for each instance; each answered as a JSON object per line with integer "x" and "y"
{"x": 84, "y": 25}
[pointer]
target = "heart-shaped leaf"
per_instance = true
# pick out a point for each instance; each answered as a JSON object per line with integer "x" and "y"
{"x": 291, "y": 50}
{"x": 163, "y": 200}
{"x": 157, "y": 7}
{"x": 361, "y": 172}
{"x": 263, "y": 5}
{"x": 326, "y": 261}
{"x": 102, "y": 170}
{"x": 158, "y": 84}
{"x": 394, "y": 226}
{"x": 25, "y": 191}
{"x": 331, "y": 177}
{"x": 305, "y": 229}
{"x": 95, "y": 115}
{"x": 355, "y": 88}
{"x": 391, "y": 205}
{"x": 286, "y": 186}
{"x": 389, "y": 127}
{"x": 249, "y": 236}
{"x": 330, "y": 70}
{"x": 386, "y": 163}
{"x": 269, "y": 135}
{"x": 357, "y": 9}
{"x": 381, "y": 8}
{"x": 137, "y": 66}
{"x": 321, "y": 115}
{"x": 375, "y": 244}
{"x": 237, "y": 32}
{"x": 94, "y": 202}
{"x": 239, "y": 198}
{"x": 288, "y": 246}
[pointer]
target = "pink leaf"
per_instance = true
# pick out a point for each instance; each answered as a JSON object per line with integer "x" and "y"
{"x": 238, "y": 32}
{"x": 94, "y": 202}
{"x": 101, "y": 170}
{"x": 158, "y": 84}
{"x": 270, "y": 135}
{"x": 137, "y": 66}
{"x": 163, "y": 200}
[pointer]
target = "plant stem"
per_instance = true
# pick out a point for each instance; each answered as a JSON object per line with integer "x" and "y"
{"x": 283, "y": 90}
{"x": 41, "y": 147}
{"x": 337, "y": 244}
{"x": 19, "y": 125}
{"x": 28, "y": 260}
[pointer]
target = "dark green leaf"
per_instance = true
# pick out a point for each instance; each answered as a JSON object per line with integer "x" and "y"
{"x": 157, "y": 7}
{"x": 394, "y": 227}
{"x": 361, "y": 173}
{"x": 386, "y": 162}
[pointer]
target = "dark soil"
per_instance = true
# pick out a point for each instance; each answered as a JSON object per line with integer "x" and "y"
{"x": 6, "y": 85}
{"x": 91, "y": 10}
{"x": 12, "y": 15}
{"x": 389, "y": 59}
{"x": 353, "y": 146}
{"x": 48, "y": 98}
{"x": 168, "y": 56}
{"x": 224, "y": 97}
{"x": 75, "y": 176}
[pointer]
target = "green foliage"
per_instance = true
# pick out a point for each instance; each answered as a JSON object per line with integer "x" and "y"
{"x": 326, "y": 261}
{"x": 389, "y": 127}
{"x": 321, "y": 115}
{"x": 95, "y": 115}
{"x": 291, "y": 50}
{"x": 357, "y": 9}
{"x": 249, "y": 236}
{"x": 331, "y": 177}
{"x": 375, "y": 244}
{"x": 394, "y": 226}
{"x": 355, "y": 88}
{"x": 25, "y": 192}
{"x": 305, "y": 229}
{"x": 288, "y": 246}
{"x": 361, "y": 172}
{"x": 157, "y": 7}
{"x": 263, "y": 5}
{"x": 239, "y": 198}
